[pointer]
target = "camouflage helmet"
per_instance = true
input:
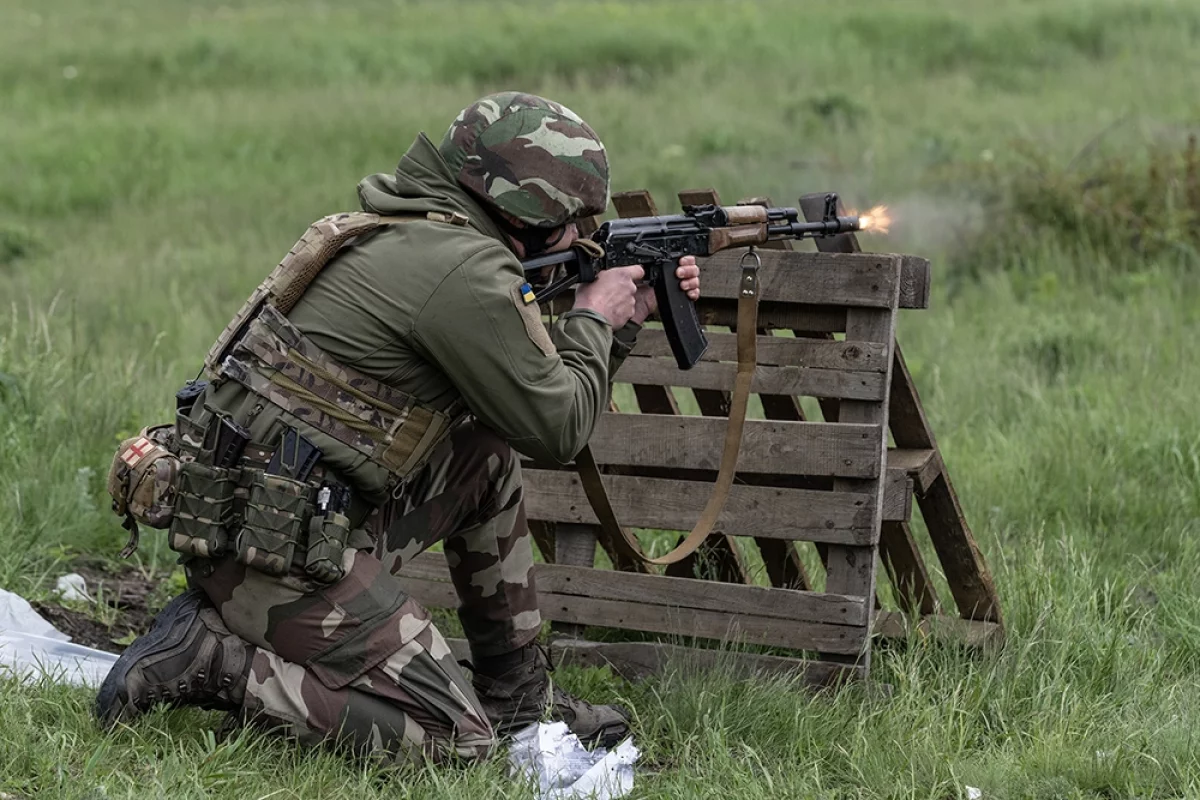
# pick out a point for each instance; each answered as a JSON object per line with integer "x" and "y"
{"x": 529, "y": 157}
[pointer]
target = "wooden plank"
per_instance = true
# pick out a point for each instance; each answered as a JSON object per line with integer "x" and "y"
{"x": 575, "y": 545}
{"x": 778, "y": 351}
{"x": 718, "y": 625}
{"x": 661, "y": 590}
{"x": 861, "y": 280}
{"x": 852, "y": 569}
{"x": 782, "y": 559}
{"x": 897, "y": 498}
{"x": 775, "y": 316}
{"x": 970, "y": 632}
{"x": 922, "y": 465}
{"x": 634, "y": 203}
{"x": 914, "y": 589}
{"x": 667, "y": 504}
{"x": 767, "y": 379}
{"x": 421, "y": 580}
{"x": 915, "y": 280}
{"x": 902, "y": 552}
{"x": 636, "y": 661}
{"x": 795, "y": 448}
{"x": 848, "y": 568}
{"x": 966, "y": 571}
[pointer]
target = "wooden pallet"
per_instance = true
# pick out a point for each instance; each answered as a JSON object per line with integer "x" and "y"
{"x": 833, "y": 483}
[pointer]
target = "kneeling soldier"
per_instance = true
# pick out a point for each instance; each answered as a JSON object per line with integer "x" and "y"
{"x": 367, "y": 403}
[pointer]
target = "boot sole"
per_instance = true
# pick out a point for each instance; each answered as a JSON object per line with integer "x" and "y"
{"x": 112, "y": 701}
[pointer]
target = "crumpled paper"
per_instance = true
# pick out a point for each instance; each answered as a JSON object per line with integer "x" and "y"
{"x": 31, "y": 647}
{"x": 552, "y": 758}
{"x": 73, "y": 587}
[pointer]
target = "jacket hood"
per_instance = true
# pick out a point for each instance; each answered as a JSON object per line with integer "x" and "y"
{"x": 422, "y": 183}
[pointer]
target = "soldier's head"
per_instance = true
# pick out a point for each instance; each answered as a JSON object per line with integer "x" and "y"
{"x": 534, "y": 165}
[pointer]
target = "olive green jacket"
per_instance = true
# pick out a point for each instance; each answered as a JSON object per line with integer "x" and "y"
{"x": 433, "y": 310}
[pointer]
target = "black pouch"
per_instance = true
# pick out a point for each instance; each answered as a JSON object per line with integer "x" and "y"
{"x": 272, "y": 521}
{"x": 203, "y": 510}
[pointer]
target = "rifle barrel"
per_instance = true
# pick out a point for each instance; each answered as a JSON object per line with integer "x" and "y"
{"x": 801, "y": 230}
{"x": 553, "y": 260}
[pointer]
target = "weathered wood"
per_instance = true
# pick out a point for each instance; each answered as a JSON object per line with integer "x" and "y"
{"x": 973, "y": 633}
{"x": 666, "y": 504}
{"x": 915, "y": 280}
{"x": 790, "y": 448}
{"x": 775, "y": 316}
{"x": 636, "y": 661}
{"x": 966, "y": 572}
{"x": 767, "y": 379}
{"x": 665, "y": 591}
{"x": 897, "y": 498}
{"x": 922, "y": 465}
{"x": 631, "y": 615}
{"x": 634, "y": 203}
{"x": 575, "y": 544}
{"x": 852, "y": 569}
{"x": 866, "y": 280}
{"x": 777, "y": 351}
{"x": 914, "y": 589}
{"x": 660, "y": 590}
{"x": 423, "y": 579}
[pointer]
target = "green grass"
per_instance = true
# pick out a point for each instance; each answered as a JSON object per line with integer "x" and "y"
{"x": 156, "y": 158}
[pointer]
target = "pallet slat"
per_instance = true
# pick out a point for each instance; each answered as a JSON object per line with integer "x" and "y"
{"x": 427, "y": 580}
{"x": 767, "y": 379}
{"x": 765, "y": 511}
{"x": 781, "y": 351}
{"x": 858, "y": 280}
{"x": 789, "y": 448}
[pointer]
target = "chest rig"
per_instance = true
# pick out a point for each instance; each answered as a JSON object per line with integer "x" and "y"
{"x": 268, "y": 504}
{"x": 261, "y": 350}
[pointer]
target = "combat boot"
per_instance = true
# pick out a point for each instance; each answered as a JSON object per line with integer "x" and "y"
{"x": 188, "y": 658}
{"x": 515, "y": 690}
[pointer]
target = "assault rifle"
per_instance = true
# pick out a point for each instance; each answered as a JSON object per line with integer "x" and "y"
{"x": 657, "y": 243}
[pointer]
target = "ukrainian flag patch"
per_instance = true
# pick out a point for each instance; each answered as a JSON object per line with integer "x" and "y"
{"x": 527, "y": 293}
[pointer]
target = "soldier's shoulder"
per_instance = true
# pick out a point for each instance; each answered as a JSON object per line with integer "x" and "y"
{"x": 440, "y": 247}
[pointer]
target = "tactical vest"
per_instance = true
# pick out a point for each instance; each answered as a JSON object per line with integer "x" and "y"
{"x": 176, "y": 477}
{"x": 266, "y": 354}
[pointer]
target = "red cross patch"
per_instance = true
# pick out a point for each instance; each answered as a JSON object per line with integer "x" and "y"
{"x": 137, "y": 451}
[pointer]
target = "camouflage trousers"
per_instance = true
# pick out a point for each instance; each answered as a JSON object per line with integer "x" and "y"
{"x": 359, "y": 661}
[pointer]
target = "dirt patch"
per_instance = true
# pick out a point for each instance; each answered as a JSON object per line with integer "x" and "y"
{"x": 130, "y": 601}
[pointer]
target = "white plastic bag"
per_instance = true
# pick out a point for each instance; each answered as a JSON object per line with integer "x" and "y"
{"x": 31, "y": 646}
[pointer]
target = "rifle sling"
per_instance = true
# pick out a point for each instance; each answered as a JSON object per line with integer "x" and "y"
{"x": 593, "y": 484}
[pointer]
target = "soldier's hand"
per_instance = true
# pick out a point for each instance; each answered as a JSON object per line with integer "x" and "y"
{"x": 612, "y": 295}
{"x": 688, "y": 275}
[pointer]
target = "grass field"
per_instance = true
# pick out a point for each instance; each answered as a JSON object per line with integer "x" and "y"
{"x": 157, "y": 157}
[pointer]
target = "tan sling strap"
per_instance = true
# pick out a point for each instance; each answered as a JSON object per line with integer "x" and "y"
{"x": 747, "y": 351}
